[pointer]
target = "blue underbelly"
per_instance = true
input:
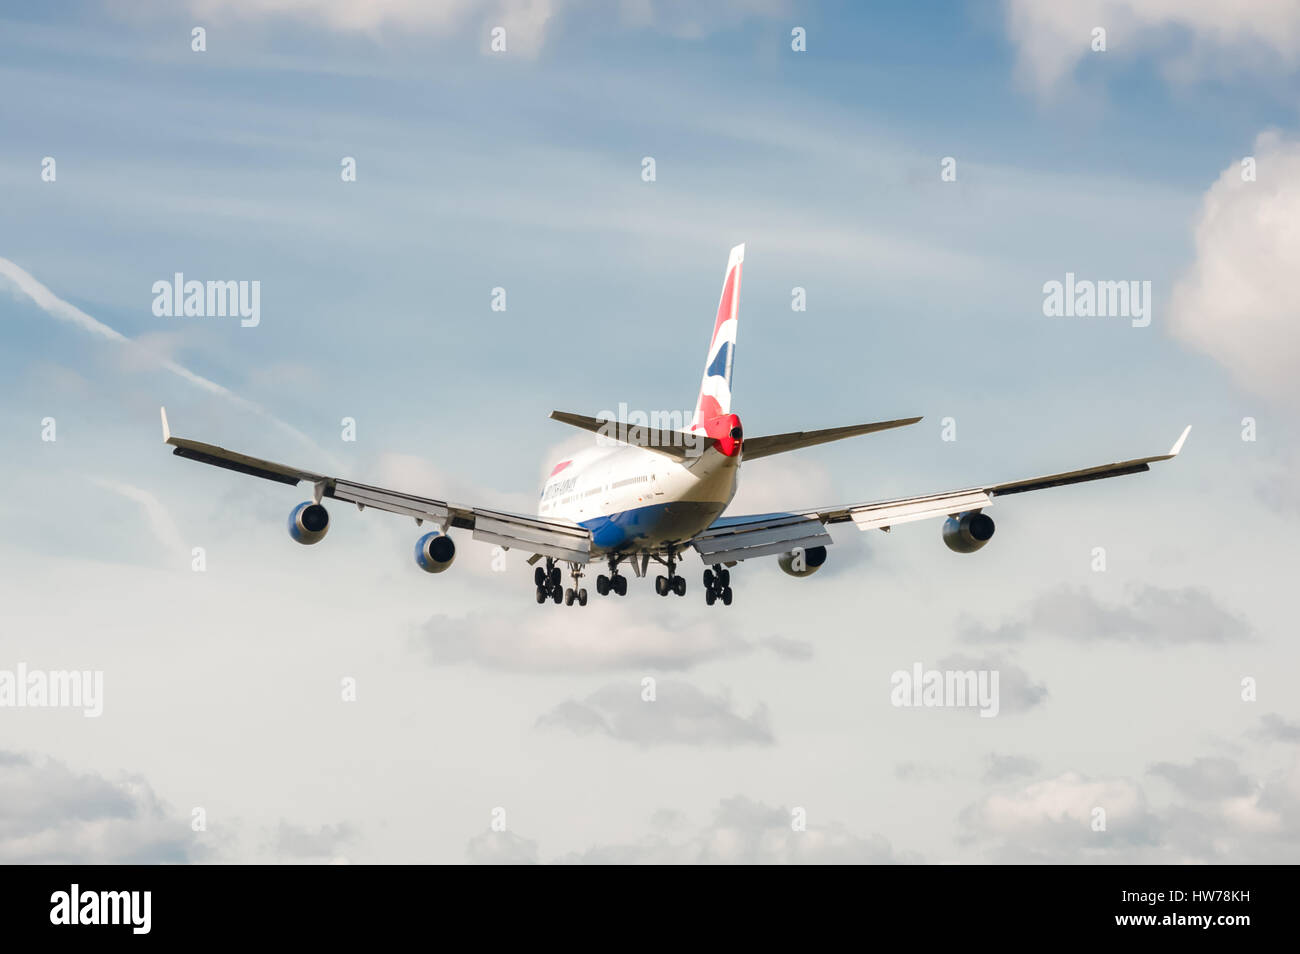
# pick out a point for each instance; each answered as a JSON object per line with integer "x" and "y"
{"x": 651, "y": 525}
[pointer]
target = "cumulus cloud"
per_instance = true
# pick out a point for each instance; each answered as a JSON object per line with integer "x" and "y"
{"x": 304, "y": 843}
{"x": 1152, "y": 616}
{"x": 744, "y": 831}
{"x": 741, "y": 831}
{"x": 1220, "y": 814}
{"x": 1187, "y": 37}
{"x": 596, "y": 638}
{"x": 1275, "y": 728}
{"x": 1054, "y": 818}
{"x": 1017, "y": 691}
{"x": 1205, "y": 778}
{"x": 50, "y": 814}
{"x": 501, "y": 848}
{"x": 1239, "y": 301}
{"x": 680, "y": 714}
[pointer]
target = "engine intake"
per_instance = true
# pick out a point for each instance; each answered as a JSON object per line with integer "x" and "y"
{"x": 309, "y": 522}
{"x": 434, "y": 552}
{"x": 802, "y": 561}
{"x": 967, "y": 532}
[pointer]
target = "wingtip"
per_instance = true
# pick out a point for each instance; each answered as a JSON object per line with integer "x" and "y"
{"x": 1178, "y": 445}
{"x": 167, "y": 431}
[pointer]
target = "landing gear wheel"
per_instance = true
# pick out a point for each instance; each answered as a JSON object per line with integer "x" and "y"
{"x": 568, "y": 597}
{"x": 556, "y": 595}
{"x": 679, "y": 585}
{"x": 582, "y": 596}
{"x": 602, "y": 585}
{"x": 708, "y": 579}
{"x": 724, "y": 576}
{"x": 661, "y": 585}
{"x": 539, "y": 577}
{"x": 709, "y": 597}
{"x": 726, "y": 596}
{"x": 541, "y": 595}
{"x": 555, "y": 576}
{"x": 620, "y": 585}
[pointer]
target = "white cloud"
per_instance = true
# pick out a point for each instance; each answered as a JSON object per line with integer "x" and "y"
{"x": 601, "y": 637}
{"x": 680, "y": 714}
{"x": 1188, "y": 36}
{"x": 49, "y": 814}
{"x": 1240, "y": 302}
{"x": 744, "y": 831}
{"x": 1220, "y": 815}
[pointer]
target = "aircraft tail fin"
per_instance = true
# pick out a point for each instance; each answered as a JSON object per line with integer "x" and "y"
{"x": 715, "y": 387}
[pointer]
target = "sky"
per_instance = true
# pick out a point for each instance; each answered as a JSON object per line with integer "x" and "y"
{"x": 286, "y": 704}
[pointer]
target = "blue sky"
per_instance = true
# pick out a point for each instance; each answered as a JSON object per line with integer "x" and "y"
{"x": 523, "y": 170}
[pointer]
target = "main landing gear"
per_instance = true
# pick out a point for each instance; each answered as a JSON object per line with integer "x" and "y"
{"x": 549, "y": 586}
{"x": 672, "y": 583}
{"x": 717, "y": 585}
{"x": 615, "y": 583}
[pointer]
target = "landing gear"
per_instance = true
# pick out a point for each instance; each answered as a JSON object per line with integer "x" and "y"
{"x": 548, "y": 582}
{"x": 615, "y": 583}
{"x": 717, "y": 585}
{"x": 672, "y": 583}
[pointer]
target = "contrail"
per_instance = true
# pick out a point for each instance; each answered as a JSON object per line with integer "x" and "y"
{"x": 53, "y": 305}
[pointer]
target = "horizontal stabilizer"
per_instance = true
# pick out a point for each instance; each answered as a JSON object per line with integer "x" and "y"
{"x": 671, "y": 443}
{"x": 756, "y": 447}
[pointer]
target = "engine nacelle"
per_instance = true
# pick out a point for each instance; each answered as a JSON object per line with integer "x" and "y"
{"x": 434, "y": 552}
{"x": 967, "y": 532}
{"x": 309, "y": 522}
{"x": 802, "y": 561}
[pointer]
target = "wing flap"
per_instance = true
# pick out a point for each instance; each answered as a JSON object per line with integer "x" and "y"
{"x": 889, "y": 513}
{"x": 776, "y": 534}
{"x": 563, "y": 542}
{"x": 390, "y": 500}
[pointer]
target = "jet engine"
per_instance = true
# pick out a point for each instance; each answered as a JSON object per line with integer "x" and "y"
{"x": 309, "y": 522}
{"x": 434, "y": 552}
{"x": 802, "y": 561}
{"x": 967, "y": 532}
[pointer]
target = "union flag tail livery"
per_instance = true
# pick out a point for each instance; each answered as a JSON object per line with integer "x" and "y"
{"x": 651, "y": 491}
{"x": 715, "y": 387}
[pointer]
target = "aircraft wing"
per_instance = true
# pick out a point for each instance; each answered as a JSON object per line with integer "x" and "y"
{"x": 744, "y": 537}
{"x": 560, "y": 539}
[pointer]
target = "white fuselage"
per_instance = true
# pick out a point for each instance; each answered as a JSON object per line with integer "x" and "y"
{"x": 633, "y": 499}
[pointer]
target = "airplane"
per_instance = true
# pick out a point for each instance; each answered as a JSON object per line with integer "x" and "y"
{"x": 647, "y": 493}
